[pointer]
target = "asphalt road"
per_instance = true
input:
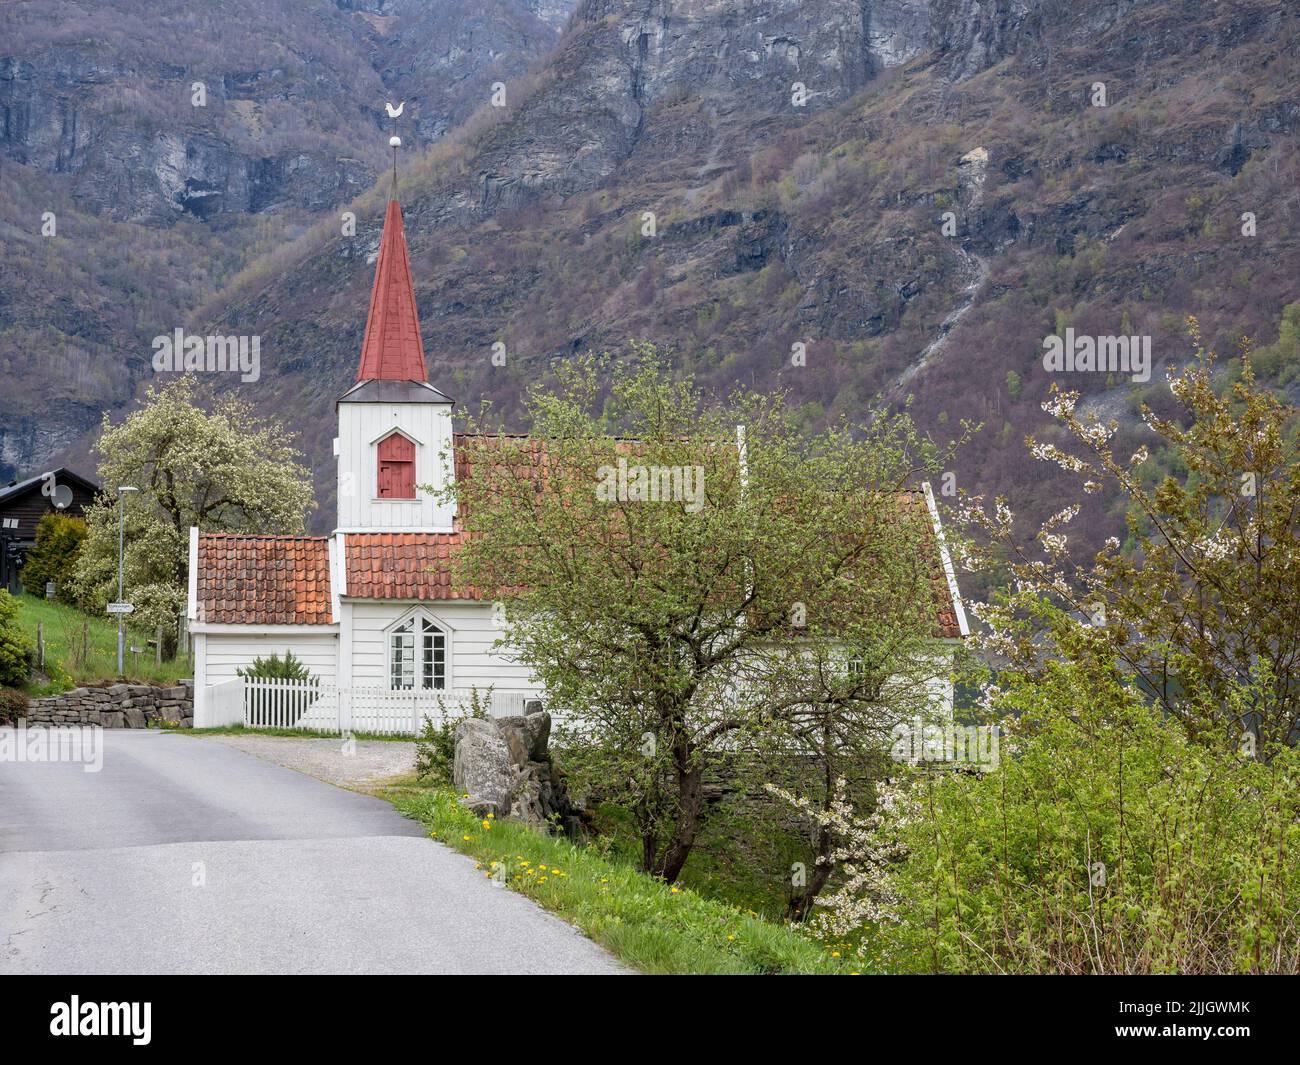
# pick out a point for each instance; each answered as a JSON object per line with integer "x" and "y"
{"x": 184, "y": 855}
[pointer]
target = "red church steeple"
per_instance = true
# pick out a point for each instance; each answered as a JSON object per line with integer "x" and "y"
{"x": 392, "y": 349}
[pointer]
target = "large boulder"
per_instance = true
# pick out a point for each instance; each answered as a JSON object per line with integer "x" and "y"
{"x": 504, "y": 767}
{"x": 481, "y": 769}
{"x": 526, "y": 736}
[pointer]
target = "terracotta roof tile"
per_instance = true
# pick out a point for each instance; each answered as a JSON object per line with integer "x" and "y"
{"x": 402, "y": 566}
{"x": 263, "y": 580}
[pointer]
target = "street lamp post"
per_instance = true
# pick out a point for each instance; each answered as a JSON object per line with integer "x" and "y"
{"x": 122, "y": 490}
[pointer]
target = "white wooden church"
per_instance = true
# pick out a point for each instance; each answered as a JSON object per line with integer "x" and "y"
{"x": 371, "y": 609}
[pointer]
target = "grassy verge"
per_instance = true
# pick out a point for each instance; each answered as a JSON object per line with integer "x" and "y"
{"x": 65, "y": 662}
{"x": 650, "y": 926}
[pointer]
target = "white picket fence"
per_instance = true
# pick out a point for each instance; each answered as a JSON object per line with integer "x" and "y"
{"x": 315, "y": 707}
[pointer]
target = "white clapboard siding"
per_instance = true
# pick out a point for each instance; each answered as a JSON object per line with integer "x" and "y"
{"x": 470, "y": 637}
{"x": 229, "y": 652}
{"x": 361, "y": 426}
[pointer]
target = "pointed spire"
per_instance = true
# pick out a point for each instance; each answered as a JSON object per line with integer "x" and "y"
{"x": 392, "y": 349}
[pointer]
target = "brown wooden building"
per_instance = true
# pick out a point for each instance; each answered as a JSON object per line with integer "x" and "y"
{"x": 24, "y": 503}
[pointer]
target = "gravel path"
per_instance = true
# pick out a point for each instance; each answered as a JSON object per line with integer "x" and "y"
{"x": 351, "y": 764}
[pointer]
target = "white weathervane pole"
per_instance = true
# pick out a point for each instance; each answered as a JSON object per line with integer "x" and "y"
{"x": 395, "y": 141}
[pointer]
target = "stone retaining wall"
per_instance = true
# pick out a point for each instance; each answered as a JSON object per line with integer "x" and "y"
{"x": 117, "y": 706}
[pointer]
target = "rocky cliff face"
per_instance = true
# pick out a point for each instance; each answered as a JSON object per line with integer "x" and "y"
{"x": 293, "y": 121}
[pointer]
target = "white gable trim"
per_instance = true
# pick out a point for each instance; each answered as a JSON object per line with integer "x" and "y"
{"x": 949, "y": 571}
{"x": 400, "y": 432}
{"x": 331, "y": 546}
{"x": 339, "y": 581}
{"x": 192, "y": 595}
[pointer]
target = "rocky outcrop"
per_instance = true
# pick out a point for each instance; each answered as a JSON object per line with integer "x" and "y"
{"x": 116, "y": 706}
{"x": 249, "y": 130}
{"x": 503, "y": 767}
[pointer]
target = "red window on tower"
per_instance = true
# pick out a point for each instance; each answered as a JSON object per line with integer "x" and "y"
{"x": 396, "y": 467}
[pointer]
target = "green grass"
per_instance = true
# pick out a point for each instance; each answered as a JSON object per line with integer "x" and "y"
{"x": 650, "y": 926}
{"x": 64, "y": 664}
{"x": 726, "y": 862}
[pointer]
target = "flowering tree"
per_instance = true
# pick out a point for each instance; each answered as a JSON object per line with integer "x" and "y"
{"x": 1201, "y": 604}
{"x": 1144, "y": 816}
{"x": 223, "y": 471}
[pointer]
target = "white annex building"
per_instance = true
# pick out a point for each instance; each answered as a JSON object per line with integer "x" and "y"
{"x": 371, "y": 610}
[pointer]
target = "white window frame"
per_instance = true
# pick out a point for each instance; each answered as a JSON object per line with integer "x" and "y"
{"x": 419, "y": 615}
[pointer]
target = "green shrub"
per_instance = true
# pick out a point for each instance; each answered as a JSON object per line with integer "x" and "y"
{"x": 13, "y": 705}
{"x": 58, "y": 540}
{"x": 17, "y": 653}
{"x": 435, "y": 747}
{"x": 276, "y": 668}
{"x": 1106, "y": 842}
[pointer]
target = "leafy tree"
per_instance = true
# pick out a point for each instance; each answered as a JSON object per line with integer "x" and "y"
{"x": 679, "y": 601}
{"x": 224, "y": 471}
{"x": 54, "y": 555}
{"x": 1202, "y": 606}
{"x": 16, "y": 649}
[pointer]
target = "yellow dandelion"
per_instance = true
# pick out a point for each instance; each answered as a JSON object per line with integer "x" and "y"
{"x": 467, "y": 838}
{"x": 487, "y": 824}
{"x": 673, "y": 890}
{"x": 835, "y": 954}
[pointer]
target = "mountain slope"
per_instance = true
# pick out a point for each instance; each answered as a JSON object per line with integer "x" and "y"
{"x": 148, "y": 152}
{"x": 777, "y": 224}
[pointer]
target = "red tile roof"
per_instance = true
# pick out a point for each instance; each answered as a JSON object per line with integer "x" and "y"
{"x": 402, "y": 566}
{"x": 267, "y": 580}
{"x": 392, "y": 349}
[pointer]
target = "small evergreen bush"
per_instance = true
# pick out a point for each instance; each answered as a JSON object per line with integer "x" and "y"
{"x": 53, "y": 556}
{"x": 17, "y": 653}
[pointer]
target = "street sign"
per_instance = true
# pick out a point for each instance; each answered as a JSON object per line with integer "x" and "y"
{"x": 120, "y": 608}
